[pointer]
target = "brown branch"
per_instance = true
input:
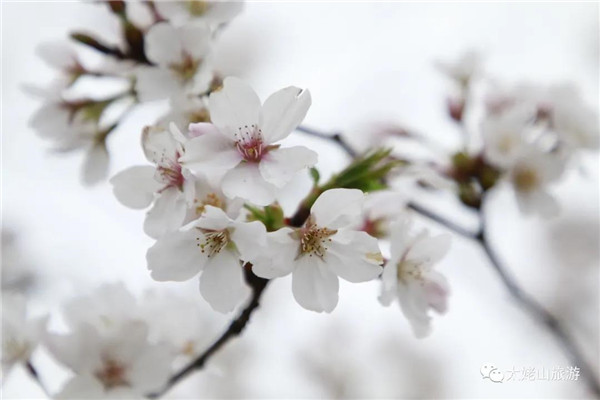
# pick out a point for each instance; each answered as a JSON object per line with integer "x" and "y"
{"x": 236, "y": 327}
{"x": 337, "y": 138}
{"x": 527, "y": 302}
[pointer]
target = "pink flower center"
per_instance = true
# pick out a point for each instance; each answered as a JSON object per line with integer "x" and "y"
{"x": 249, "y": 142}
{"x": 170, "y": 173}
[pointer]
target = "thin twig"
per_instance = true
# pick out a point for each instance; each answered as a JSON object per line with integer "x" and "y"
{"x": 334, "y": 137}
{"x": 236, "y": 327}
{"x": 541, "y": 314}
{"x": 527, "y": 302}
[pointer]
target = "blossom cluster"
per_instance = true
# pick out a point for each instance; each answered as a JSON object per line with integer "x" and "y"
{"x": 164, "y": 54}
{"x": 114, "y": 345}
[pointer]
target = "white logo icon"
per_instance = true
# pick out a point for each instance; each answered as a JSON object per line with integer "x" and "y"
{"x": 491, "y": 372}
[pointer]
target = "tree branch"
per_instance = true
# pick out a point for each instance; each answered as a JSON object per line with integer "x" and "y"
{"x": 334, "y": 137}
{"x": 526, "y": 301}
{"x": 236, "y": 327}
{"x": 537, "y": 311}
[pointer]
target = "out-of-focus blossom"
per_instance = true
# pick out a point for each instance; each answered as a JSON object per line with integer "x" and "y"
{"x": 409, "y": 276}
{"x": 504, "y": 136}
{"x": 180, "y": 55}
{"x": 184, "y": 110}
{"x": 213, "y": 12}
{"x": 182, "y": 323}
{"x": 61, "y": 56}
{"x": 325, "y": 248}
{"x": 530, "y": 175}
{"x": 20, "y": 332}
{"x": 463, "y": 69}
{"x": 240, "y": 146}
{"x": 213, "y": 244}
{"x": 166, "y": 185}
{"x": 121, "y": 363}
{"x": 380, "y": 208}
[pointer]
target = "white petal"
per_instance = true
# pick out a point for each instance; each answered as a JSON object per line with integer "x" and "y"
{"x": 336, "y": 208}
{"x": 214, "y": 219}
{"x": 210, "y": 154}
{"x": 162, "y": 44}
{"x": 167, "y": 214}
{"x": 154, "y": 83}
{"x": 314, "y": 286}
{"x": 196, "y": 38}
{"x": 430, "y": 249}
{"x": 51, "y": 121}
{"x": 79, "y": 351}
{"x": 283, "y": 111}
{"x": 389, "y": 283}
{"x": 279, "y": 255}
{"x": 356, "y": 258}
{"x": 222, "y": 283}
{"x": 95, "y": 166}
{"x": 400, "y": 237}
{"x": 176, "y": 256}
{"x": 59, "y": 55}
{"x": 203, "y": 128}
{"x": 235, "y": 106}
{"x": 436, "y": 291}
{"x": 160, "y": 146}
{"x": 250, "y": 238}
{"x": 280, "y": 165}
{"x": 135, "y": 186}
{"x": 414, "y": 307}
{"x": 82, "y": 387}
{"x": 245, "y": 181}
{"x": 151, "y": 369}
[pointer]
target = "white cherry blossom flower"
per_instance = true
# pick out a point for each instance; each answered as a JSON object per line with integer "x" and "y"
{"x": 380, "y": 208}
{"x": 106, "y": 308}
{"x": 409, "y": 276}
{"x": 180, "y": 55}
{"x": 166, "y": 185}
{"x": 214, "y": 12}
{"x": 119, "y": 364}
{"x": 213, "y": 244}
{"x": 20, "y": 332}
{"x": 530, "y": 175}
{"x": 463, "y": 69}
{"x": 240, "y": 146}
{"x": 325, "y": 248}
{"x": 504, "y": 136}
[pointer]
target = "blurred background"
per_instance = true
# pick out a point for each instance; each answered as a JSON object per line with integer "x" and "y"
{"x": 364, "y": 63}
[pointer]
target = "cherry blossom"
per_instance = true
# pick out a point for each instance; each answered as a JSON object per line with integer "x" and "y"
{"x": 409, "y": 276}
{"x": 180, "y": 55}
{"x": 530, "y": 175}
{"x": 20, "y": 332}
{"x": 121, "y": 364}
{"x": 166, "y": 185}
{"x": 240, "y": 146}
{"x": 214, "y": 12}
{"x": 325, "y": 248}
{"x": 213, "y": 244}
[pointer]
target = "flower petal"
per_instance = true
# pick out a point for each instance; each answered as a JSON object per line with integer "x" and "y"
{"x": 210, "y": 154}
{"x": 280, "y": 165}
{"x": 82, "y": 387}
{"x": 153, "y": 83}
{"x": 336, "y": 208}
{"x": 135, "y": 186}
{"x": 214, "y": 219}
{"x": 245, "y": 181}
{"x": 283, "y": 111}
{"x": 151, "y": 369}
{"x": 279, "y": 255}
{"x": 233, "y": 107}
{"x": 160, "y": 145}
{"x": 196, "y": 39}
{"x": 314, "y": 286}
{"x": 167, "y": 214}
{"x": 95, "y": 166}
{"x": 430, "y": 249}
{"x": 176, "y": 256}
{"x": 222, "y": 282}
{"x": 250, "y": 238}
{"x": 162, "y": 44}
{"x": 355, "y": 258}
